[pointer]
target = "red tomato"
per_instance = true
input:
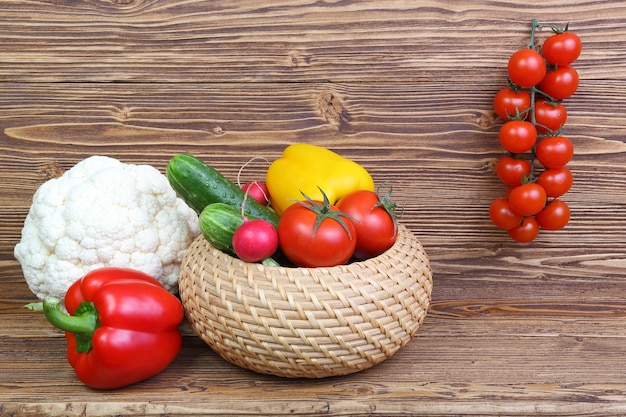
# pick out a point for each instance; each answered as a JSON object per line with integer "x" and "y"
{"x": 511, "y": 170}
{"x": 527, "y": 199}
{"x": 332, "y": 243}
{"x": 508, "y": 103}
{"x": 560, "y": 83}
{"x": 554, "y": 152}
{"x": 517, "y": 136}
{"x": 376, "y": 228}
{"x": 526, "y": 231}
{"x": 556, "y": 181}
{"x": 549, "y": 117}
{"x": 554, "y": 216}
{"x": 562, "y": 48}
{"x": 526, "y": 68}
{"x": 502, "y": 215}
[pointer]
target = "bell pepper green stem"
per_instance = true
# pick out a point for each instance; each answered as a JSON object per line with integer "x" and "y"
{"x": 83, "y": 324}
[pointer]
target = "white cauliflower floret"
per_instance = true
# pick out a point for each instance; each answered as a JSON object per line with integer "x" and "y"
{"x": 103, "y": 213}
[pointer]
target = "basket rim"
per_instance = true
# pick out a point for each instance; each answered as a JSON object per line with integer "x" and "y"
{"x": 403, "y": 234}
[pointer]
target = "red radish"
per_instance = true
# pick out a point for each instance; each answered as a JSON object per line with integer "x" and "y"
{"x": 255, "y": 240}
{"x": 257, "y": 190}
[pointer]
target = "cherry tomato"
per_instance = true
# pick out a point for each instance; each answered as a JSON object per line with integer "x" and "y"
{"x": 508, "y": 103}
{"x": 554, "y": 216}
{"x": 560, "y": 83}
{"x": 502, "y": 215}
{"x": 549, "y": 117}
{"x": 526, "y": 68}
{"x": 517, "y": 136}
{"x": 556, "y": 181}
{"x": 332, "y": 243}
{"x": 376, "y": 229}
{"x": 526, "y": 232}
{"x": 562, "y": 48}
{"x": 511, "y": 170}
{"x": 554, "y": 152}
{"x": 527, "y": 199}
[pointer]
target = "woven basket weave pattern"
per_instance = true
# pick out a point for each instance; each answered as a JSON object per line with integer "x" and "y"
{"x": 306, "y": 322}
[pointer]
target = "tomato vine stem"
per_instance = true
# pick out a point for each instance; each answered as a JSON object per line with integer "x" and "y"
{"x": 535, "y": 25}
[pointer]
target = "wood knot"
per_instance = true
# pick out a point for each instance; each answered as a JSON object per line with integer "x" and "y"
{"x": 297, "y": 59}
{"x": 123, "y": 5}
{"x": 334, "y": 111}
{"x": 123, "y": 114}
{"x": 122, "y": 2}
{"x": 487, "y": 120}
{"x": 51, "y": 170}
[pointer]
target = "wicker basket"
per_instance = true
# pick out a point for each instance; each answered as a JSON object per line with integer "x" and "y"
{"x": 307, "y": 322}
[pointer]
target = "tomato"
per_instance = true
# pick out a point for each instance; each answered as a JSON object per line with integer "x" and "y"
{"x": 549, "y": 117}
{"x": 560, "y": 83}
{"x": 517, "y": 136}
{"x": 554, "y": 216}
{"x": 554, "y": 152}
{"x": 502, "y": 215}
{"x": 376, "y": 228}
{"x": 526, "y": 68}
{"x": 562, "y": 48}
{"x": 527, "y": 199}
{"x": 330, "y": 243}
{"x": 508, "y": 103}
{"x": 511, "y": 170}
{"x": 556, "y": 181}
{"x": 526, "y": 232}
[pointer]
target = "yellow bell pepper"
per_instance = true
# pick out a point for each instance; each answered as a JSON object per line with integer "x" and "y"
{"x": 310, "y": 170}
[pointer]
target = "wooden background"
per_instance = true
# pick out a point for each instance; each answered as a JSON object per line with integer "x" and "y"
{"x": 403, "y": 87}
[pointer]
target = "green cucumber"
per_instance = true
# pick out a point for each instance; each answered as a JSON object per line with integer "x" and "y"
{"x": 218, "y": 222}
{"x": 199, "y": 185}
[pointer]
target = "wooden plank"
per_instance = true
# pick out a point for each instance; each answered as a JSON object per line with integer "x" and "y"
{"x": 423, "y": 383}
{"x": 289, "y": 41}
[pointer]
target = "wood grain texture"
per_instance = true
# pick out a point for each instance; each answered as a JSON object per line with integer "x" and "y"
{"x": 287, "y": 40}
{"x": 404, "y": 88}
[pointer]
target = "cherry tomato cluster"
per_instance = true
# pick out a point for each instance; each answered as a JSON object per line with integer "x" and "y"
{"x": 534, "y": 166}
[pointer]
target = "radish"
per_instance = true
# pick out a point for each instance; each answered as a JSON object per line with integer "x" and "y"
{"x": 257, "y": 190}
{"x": 255, "y": 240}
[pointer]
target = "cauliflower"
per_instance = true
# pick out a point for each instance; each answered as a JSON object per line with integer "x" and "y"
{"x": 102, "y": 213}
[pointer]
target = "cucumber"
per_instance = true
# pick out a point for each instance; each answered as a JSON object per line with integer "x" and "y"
{"x": 218, "y": 222}
{"x": 199, "y": 185}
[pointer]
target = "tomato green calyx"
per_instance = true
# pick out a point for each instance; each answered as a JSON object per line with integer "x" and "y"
{"x": 558, "y": 30}
{"x": 530, "y": 178}
{"x": 520, "y": 115}
{"x": 389, "y": 206}
{"x": 323, "y": 211}
{"x": 82, "y": 324}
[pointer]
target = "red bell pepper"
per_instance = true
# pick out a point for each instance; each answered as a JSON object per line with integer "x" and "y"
{"x": 122, "y": 327}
